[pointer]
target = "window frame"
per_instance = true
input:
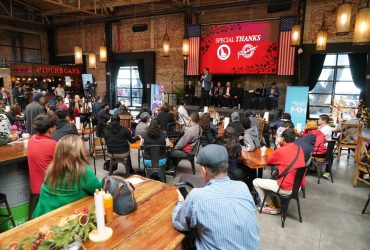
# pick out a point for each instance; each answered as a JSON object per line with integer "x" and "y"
{"x": 131, "y": 88}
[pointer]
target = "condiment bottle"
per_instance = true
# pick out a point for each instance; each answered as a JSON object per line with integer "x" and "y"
{"x": 108, "y": 207}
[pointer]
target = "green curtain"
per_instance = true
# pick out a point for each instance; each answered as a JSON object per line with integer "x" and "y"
{"x": 357, "y": 64}
{"x": 316, "y": 64}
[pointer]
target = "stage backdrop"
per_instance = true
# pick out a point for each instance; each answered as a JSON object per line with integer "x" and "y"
{"x": 240, "y": 48}
{"x": 296, "y": 104}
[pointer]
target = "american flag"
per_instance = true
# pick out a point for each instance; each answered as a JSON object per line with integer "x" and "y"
{"x": 193, "y": 32}
{"x": 286, "y": 52}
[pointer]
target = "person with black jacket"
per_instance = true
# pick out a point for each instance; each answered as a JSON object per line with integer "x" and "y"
{"x": 189, "y": 92}
{"x": 103, "y": 118}
{"x": 165, "y": 117}
{"x": 238, "y": 95}
{"x": 63, "y": 126}
{"x": 117, "y": 139}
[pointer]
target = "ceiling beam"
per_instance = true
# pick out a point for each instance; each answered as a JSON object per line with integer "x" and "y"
{"x": 92, "y": 6}
{"x": 68, "y": 8}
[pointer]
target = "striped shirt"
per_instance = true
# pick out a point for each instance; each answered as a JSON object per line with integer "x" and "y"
{"x": 222, "y": 213}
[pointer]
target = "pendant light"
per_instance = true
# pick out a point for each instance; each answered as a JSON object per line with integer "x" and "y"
{"x": 78, "y": 54}
{"x": 92, "y": 61}
{"x": 343, "y": 18}
{"x": 185, "y": 48}
{"x": 103, "y": 53}
{"x": 362, "y": 25}
{"x": 166, "y": 43}
{"x": 296, "y": 35}
{"x": 322, "y": 35}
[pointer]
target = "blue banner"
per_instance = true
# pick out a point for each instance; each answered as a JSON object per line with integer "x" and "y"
{"x": 296, "y": 105}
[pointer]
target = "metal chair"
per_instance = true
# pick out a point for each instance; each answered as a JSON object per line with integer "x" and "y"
{"x": 285, "y": 199}
{"x": 154, "y": 152}
{"x": 99, "y": 149}
{"x": 174, "y": 132}
{"x": 319, "y": 163}
{"x": 126, "y": 162}
{"x": 367, "y": 203}
{"x": 190, "y": 157}
{"x": 9, "y": 215}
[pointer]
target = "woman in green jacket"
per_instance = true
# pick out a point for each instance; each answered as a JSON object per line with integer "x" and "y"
{"x": 68, "y": 177}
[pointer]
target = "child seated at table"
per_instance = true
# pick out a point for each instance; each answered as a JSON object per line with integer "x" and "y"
{"x": 68, "y": 178}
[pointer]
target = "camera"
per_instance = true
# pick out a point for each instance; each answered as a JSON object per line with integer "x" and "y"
{"x": 90, "y": 89}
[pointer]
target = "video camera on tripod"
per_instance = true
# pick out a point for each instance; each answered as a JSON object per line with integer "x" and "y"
{"x": 90, "y": 89}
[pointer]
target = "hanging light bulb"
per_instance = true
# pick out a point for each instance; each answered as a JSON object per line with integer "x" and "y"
{"x": 78, "y": 55}
{"x": 102, "y": 53}
{"x": 296, "y": 35}
{"x": 185, "y": 48}
{"x": 166, "y": 44}
{"x": 362, "y": 25}
{"x": 322, "y": 37}
{"x": 92, "y": 61}
{"x": 343, "y": 18}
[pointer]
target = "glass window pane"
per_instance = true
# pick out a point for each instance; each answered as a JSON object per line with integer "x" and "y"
{"x": 124, "y": 83}
{"x": 315, "y": 112}
{"x": 344, "y": 74}
{"x": 346, "y": 88}
{"x": 124, "y": 100}
{"x": 124, "y": 72}
{"x": 123, "y": 92}
{"x": 346, "y": 100}
{"x": 323, "y": 87}
{"x": 137, "y": 92}
{"x": 319, "y": 100}
{"x": 136, "y": 83}
{"x": 330, "y": 60}
{"x": 327, "y": 74}
{"x": 136, "y": 102}
{"x": 135, "y": 72}
{"x": 343, "y": 60}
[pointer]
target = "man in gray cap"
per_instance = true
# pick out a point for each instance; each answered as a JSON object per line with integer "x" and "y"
{"x": 236, "y": 124}
{"x": 34, "y": 109}
{"x": 222, "y": 213}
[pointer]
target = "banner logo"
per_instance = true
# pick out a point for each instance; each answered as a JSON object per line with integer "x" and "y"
{"x": 223, "y": 52}
{"x": 247, "y": 51}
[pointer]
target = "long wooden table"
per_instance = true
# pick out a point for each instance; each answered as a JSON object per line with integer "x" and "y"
{"x": 149, "y": 227}
{"x": 254, "y": 160}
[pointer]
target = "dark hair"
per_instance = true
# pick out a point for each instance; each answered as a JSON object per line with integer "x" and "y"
{"x": 70, "y": 109}
{"x": 288, "y": 135}
{"x": 16, "y": 109}
{"x": 165, "y": 107}
{"x": 43, "y": 122}
{"x": 288, "y": 125}
{"x": 206, "y": 69}
{"x": 273, "y": 83}
{"x": 325, "y": 118}
{"x": 182, "y": 102}
{"x": 115, "y": 125}
{"x": 230, "y": 141}
{"x": 358, "y": 115}
{"x": 60, "y": 114}
{"x": 194, "y": 117}
{"x": 287, "y": 116}
{"x": 105, "y": 104}
{"x": 205, "y": 122}
{"x": 118, "y": 105}
{"x": 153, "y": 129}
{"x": 246, "y": 122}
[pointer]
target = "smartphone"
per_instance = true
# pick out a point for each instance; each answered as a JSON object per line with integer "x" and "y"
{"x": 183, "y": 192}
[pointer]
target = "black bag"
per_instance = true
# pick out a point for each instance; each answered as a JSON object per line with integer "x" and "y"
{"x": 106, "y": 166}
{"x": 123, "y": 194}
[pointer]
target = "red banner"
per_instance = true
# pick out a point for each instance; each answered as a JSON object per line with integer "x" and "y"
{"x": 240, "y": 48}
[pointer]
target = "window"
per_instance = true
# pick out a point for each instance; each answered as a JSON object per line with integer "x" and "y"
{"x": 129, "y": 86}
{"x": 335, "y": 85}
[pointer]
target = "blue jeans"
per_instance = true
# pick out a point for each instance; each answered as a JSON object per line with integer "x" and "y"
{"x": 161, "y": 163}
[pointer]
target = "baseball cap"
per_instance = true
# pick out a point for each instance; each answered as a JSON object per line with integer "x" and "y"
{"x": 212, "y": 155}
{"x": 37, "y": 96}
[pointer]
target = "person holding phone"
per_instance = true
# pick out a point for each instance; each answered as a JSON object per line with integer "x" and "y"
{"x": 222, "y": 213}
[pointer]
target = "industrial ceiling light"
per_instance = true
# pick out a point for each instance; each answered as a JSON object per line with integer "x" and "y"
{"x": 362, "y": 25}
{"x": 166, "y": 43}
{"x": 78, "y": 54}
{"x": 343, "y": 18}
{"x": 92, "y": 61}
{"x": 296, "y": 35}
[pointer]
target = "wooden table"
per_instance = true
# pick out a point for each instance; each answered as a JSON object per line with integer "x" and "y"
{"x": 253, "y": 159}
{"x": 12, "y": 153}
{"x": 149, "y": 227}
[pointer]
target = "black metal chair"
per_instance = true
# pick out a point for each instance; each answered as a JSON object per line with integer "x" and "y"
{"x": 154, "y": 152}
{"x": 285, "y": 199}
{"x": 190, "y": 157}
{"x": 319, "y": 163}
{"x": 367, "y": 203}
{"x": 174, "y": 132}
{"x": 9, "y": 215}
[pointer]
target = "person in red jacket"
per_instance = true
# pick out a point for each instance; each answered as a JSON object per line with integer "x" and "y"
{"x": 320, "y": 144}
{"x": 40, "y": 153}
{"x": 282, "y": 157}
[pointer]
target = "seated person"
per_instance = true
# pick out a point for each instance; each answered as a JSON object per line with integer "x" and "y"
{"x": 63, "y": 126}
{"x": 227, "y": 95}
{"x": 320, "y": 144}
{"x": 142, "y": 126}
{"x": 103, "y": 118}
{"x": 235, "y": 123}
{"x": 217, "y": 94}
{"x": 355, "y": 120}
{"x": 272, "y": 98}
{"x": 117, "y": 139}
{"x": 286, "y": 117}
{"x": 282, "y": 157}
{"x": 258, "y": 102}
{"x": 165, "y": 117}
{"x": 5, "y": 135}
{"x": 189, "y": 91}
{"x": 208, "y": 210}
{"x": 145, "y": 108}
{"x": 68, "y": 178}
{"x": 325, "y": 127}
{"x": 182, "y": 114}
{"x": 215, "y": 116}
{"x": 238, "y": 95}
{"x": 187, "y": 143}
{"x": 250, "y": 135}
{"x": 14, "y": 113}
{"x": 209, "y": 131}
{"x": 155, "y": 136}
{"x": 307, "y": 144}
{"x": 280, "y": 130}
